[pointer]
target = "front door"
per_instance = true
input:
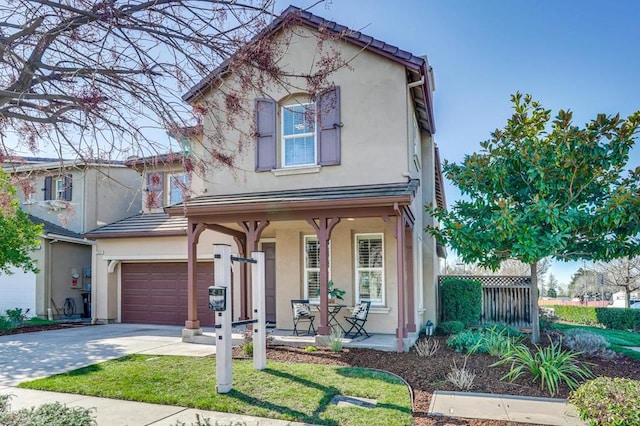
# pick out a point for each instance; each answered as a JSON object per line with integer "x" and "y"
{"x": 270, "y": 281}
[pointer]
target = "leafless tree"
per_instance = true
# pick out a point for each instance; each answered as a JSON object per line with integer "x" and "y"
{"x": 508, "y": 267}
{"x": 622, "y": 273}
{"x": 103, "y": 79}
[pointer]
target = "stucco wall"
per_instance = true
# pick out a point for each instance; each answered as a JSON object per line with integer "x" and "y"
{"x": 373, "y": 113}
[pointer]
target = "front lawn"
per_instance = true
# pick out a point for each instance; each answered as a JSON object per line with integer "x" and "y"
{"x": 288, "y": 391}
{"x": 619, "y": 340}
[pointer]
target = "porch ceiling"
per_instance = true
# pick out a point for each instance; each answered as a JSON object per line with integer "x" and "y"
{"x": 347, "y": 201}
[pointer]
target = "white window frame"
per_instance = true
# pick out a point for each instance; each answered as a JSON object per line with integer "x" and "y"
{"x": 357, "y": 270}
{"x": 284, "y": 138}
{"x": 170, "y": 177}
{"x": 307, "y": 270}
{"x": 60, "y": 190}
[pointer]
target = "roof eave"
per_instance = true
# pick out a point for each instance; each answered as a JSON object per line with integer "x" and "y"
{"x": 280, "y": 207}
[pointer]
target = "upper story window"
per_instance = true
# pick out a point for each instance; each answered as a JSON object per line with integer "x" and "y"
{"x": 163, "y": 190}
{"x": 178, "y": 186}
{"x": 369, "y": 268}
{"x": 62, "y": 189}
{"x": 298, "y": 135}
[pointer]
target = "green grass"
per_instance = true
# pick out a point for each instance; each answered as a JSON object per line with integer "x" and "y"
{"x": 620, "y": 340}
{"x": 37, "y": 321}
{"x": 294, "y": 392}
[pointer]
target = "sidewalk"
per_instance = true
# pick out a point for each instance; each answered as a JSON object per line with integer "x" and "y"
{"x": 542, "y": 411}
{"x": 114, "y": 412}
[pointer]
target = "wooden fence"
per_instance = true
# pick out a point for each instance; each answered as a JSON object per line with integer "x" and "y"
{"x": 505, "y": 299}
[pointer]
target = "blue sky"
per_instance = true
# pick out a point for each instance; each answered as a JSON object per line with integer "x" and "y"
{"x": 579, "y": 55}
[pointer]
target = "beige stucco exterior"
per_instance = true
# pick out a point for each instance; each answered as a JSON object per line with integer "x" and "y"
{"x": 381, "y": 142}
{"x": 100, "y": 195}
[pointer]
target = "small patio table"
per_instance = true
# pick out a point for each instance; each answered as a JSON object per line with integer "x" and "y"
{"x": 333, "y": 311}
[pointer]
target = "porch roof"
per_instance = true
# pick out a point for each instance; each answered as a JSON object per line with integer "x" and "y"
{"x": 283, "y": 204}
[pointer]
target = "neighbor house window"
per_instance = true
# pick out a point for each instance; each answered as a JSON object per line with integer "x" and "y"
{"x": 178, "y": 186}
{"x": 298, "y": 135}
{"x": 312, "y": 267}
{"x": 369, "y": 267}
{"x": 59, "y": 189}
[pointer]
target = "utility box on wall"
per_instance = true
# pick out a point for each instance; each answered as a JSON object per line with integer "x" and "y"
{"x": 76, "y": 278}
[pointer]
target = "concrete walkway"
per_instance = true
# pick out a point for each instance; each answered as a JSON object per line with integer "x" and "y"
{"x": 543, "y": 411}
{"x": 33, "y": 355}
{"x": 114, "y": 412}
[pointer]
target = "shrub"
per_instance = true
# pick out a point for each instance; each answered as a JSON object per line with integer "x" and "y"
{"x": 499, "y": 338}
{"x": 334, "y": 339}
{"x": 502, "y": 328}
{"x": 619, "y": 318}
{"x": 462, "y": 378}
{"x": 427, "y": 347}
{"x": 469, "y": 341}
{"x": 576, "y": 314}
{"x": 461, "y": 300}
{"x": 247, "y": 348}
{"x": 5, "y": 324}
{"x": 310, "y": 349}
{"x": 17, "y": 315}
{"x": 451, "y": 327}
{"x": 608, "y": 401}
{"x": 54, "y": 414}
{"x": 587, "y": 343}
{"x": 550, "y": 365}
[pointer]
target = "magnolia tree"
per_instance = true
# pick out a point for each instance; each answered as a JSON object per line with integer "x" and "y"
{"x": 18, "y": 235}
{"x": 544, "y": 187}
{"x": 103, "y": 79}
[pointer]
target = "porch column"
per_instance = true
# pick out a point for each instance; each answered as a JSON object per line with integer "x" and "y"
{"x": 323, "y": 227}
{"x": 252, "y": 230}
{"x": 411, "y": 298}
{"x": 398, "y": 233}
{"x": 193, "y": 235}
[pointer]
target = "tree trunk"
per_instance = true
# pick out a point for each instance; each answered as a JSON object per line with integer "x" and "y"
{"x": 535, "y": 322}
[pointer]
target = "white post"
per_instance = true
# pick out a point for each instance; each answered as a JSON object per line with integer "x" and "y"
{"x": 258, "y": 297}
{"x": 222, "y": 278}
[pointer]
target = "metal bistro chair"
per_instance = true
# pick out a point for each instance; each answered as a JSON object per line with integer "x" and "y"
{"x": 357, "y": 320}
{"x": 302, "y": 313}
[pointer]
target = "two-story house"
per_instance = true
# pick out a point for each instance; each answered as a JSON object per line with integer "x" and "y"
{"x": 68, "y": 198}
{"x": 333, "y": 187}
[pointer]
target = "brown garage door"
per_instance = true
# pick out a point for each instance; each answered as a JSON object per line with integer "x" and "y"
{"x": 156, "y": 293}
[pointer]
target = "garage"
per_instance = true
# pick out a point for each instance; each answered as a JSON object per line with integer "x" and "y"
{"x": 156, "y": 293}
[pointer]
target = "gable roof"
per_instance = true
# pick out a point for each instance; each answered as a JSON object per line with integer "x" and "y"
{"x": 417, "y": 64}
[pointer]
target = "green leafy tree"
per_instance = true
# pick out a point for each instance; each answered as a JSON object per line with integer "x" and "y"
{"x": 18, "y": 235}
{"x": 545, "y": 188}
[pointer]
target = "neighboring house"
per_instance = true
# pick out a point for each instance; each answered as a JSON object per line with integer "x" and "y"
{"x": 352, "y": 181}
{"x": 68, "y": 198}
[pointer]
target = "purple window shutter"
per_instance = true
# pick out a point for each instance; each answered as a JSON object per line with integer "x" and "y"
{"x": 48, "y": 184}
{"x": 155, "y": 184}
{"x": 265, "y": 134}
{"x": 329, "y": 127}
{"x": 68, "y": 185}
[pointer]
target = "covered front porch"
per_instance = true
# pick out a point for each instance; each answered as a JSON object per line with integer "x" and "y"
{"x": 341, "y": 223}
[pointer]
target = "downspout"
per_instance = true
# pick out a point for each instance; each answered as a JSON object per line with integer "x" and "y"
{"x": 47, "y": 284}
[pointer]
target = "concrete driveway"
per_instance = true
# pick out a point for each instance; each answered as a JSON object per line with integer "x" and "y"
{"x": 33, "y": 355}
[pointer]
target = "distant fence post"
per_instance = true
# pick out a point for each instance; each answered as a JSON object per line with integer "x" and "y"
{"x": 505, "y": 299}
